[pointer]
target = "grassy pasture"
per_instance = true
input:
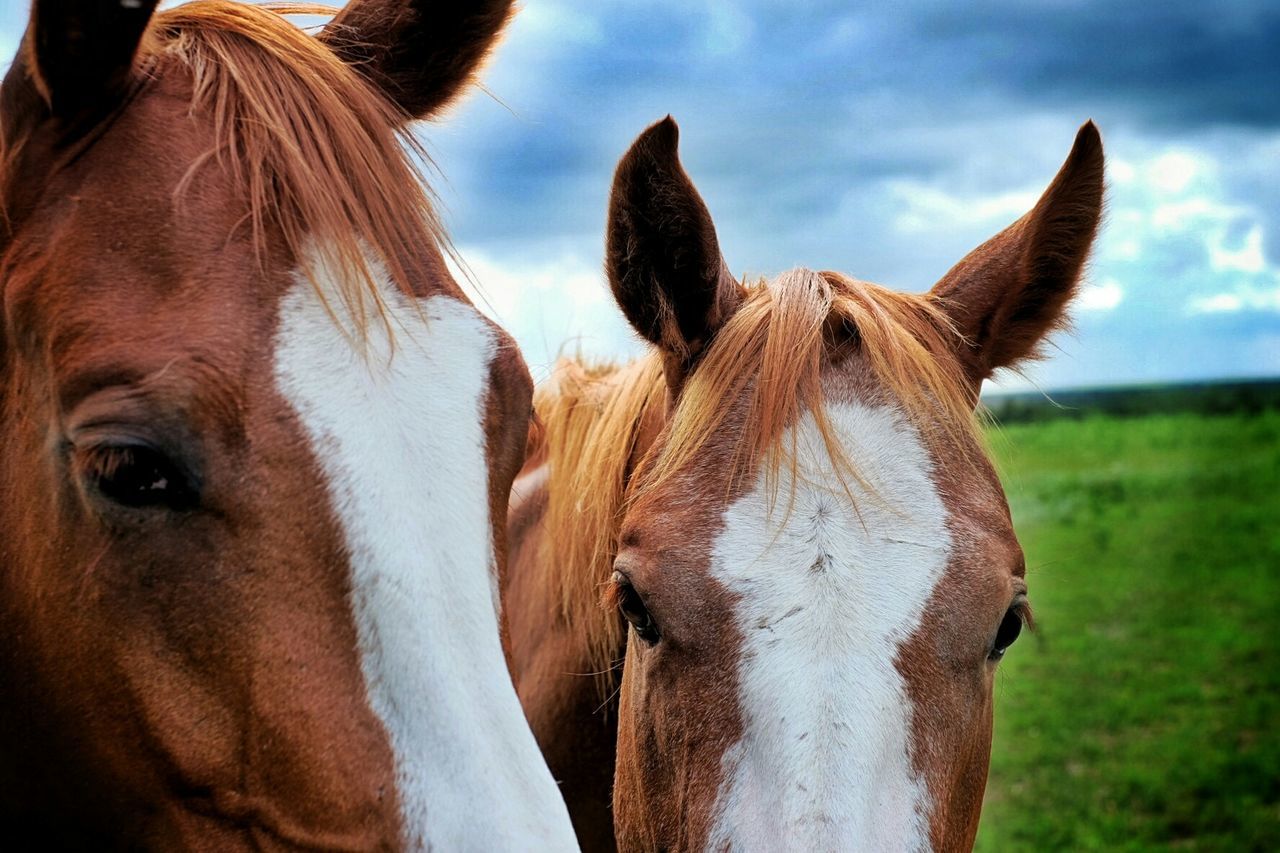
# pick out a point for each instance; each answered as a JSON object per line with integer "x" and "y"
{"x": 1145, "y": 713}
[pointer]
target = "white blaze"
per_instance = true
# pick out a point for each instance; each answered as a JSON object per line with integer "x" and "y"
{"x": 825, "y": 604}
{"x": 398, "y": 432}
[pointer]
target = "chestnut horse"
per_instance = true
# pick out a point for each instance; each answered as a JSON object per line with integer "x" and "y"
{"x": 257, "y": 445}
{"x": 809, "y": 564}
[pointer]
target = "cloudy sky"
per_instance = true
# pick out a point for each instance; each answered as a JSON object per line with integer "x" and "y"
{"x": 885, "y": 140}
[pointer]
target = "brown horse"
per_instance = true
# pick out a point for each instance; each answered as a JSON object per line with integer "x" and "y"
{"x": 257, "y": 445}
{"x": 809, "y": 564}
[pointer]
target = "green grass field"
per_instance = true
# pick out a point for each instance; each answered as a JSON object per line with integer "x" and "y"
{"x": 1145, "y": 713}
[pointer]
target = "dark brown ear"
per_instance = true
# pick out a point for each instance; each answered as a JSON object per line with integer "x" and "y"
{"x": 661, "y": 252}
{"x": 421, "y": 53}
{"x": 79, "y": 54}
{"x": 1008, "y": 294}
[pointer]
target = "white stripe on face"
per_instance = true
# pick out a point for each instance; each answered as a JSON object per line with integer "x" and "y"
{"x": 399, "y": 435}
{"x": 824, "y": 761}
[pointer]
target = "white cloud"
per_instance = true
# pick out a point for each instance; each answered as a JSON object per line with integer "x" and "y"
{"x": 1173, "y": 171}
{"x": 928, "y": 208}
{"x": 558, "y": 307}
{"x": 1219, "y": 303}
{"x": 1195, "y": 211}
{"x": 1171, "y": 213}
{"x": 1127, "y": 250}
{"x": 1103, "y": 296}
{"x": 552, "y": 23}
{"x": 1248, "y": 258}
{"x": 1120, "y": 172}
{"x": 1245, "y": 298}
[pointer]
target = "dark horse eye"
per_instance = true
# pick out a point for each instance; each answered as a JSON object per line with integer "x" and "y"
{"x": 1010, "y": 628}
{"x": 139, "y": 476}
{"x": 632, "y": 608}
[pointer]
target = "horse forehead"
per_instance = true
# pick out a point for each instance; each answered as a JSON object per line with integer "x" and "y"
{"x": 120, "y": 220}
{"x": 188, "y": 340}
{"x": 886, "y": 525}
{"x": 830, "y": 580}
{"x": 148, "y": 149}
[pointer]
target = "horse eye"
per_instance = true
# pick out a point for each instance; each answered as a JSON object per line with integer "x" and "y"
{"x": 632, "y": 608}
{"x": 1010, "y": 628}
{"x": 138, "y": 476}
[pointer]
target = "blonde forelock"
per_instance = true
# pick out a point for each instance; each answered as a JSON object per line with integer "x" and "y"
{"x": 324, "y": 159}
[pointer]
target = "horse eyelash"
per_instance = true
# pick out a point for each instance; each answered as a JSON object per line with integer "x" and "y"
{"x": 611, "y": 595}
{"x": 1024, "y": 612}
{"x": 103, "y": 462}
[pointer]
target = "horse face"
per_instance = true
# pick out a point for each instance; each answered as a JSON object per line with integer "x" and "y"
{"x": 817, "y": 663}
{"x": 812, "y": 646}
{"x": 248, "y": 534}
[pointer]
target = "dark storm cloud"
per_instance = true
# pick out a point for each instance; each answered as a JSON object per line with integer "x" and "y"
{"x": 790, "y": 107}
{"x": 809, "y": 126}
{"x": 1181, "y": 63}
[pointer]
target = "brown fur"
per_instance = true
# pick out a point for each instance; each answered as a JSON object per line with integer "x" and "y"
{"x": 421, "y": 53}
{"x": 87, "y": 51}
{"x": 189, "y": 679}
{"x": 629, "y": 477}
{"x": 290, "y": 114}
{"x": 661, "y": 252}
{"x": 1010, "y": 293}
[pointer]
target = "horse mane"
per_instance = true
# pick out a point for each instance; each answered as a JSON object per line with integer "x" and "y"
{"x": 324, "y": 159}
{"x": 774, "y": 350}
{"x": 591, "y": 417}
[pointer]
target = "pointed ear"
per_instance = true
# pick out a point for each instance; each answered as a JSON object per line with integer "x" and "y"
{"x": 661, "y": 253}
{"x": 420, "y": 53}
{"x": 79, "y": 54}
{"x": 1008, "y": 294}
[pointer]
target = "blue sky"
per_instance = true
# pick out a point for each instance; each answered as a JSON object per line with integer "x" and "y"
{"x": 885, "y": 140}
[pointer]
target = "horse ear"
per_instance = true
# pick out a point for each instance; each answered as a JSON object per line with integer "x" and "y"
{"x": 661, "y": 253}
{"x": 1008, "y": 294}
{"x": 79, "y": 54}
{"x": 420, "y": 53}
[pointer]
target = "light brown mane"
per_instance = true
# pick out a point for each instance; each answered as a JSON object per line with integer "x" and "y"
{"x": 323, "y": 158}
{"x": 774, "y": 349}
{"x": 591, "y": 418}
